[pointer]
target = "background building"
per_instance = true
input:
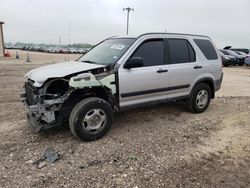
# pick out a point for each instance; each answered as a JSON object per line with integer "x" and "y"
{"x": 1, "y": 40}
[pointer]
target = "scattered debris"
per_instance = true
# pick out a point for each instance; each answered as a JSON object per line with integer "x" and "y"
{"x": 124, "y": 175}
{"x": 49, "y": 155}
{"x": 132, "y": 157}
{"x": 41, "y": 165}
{"x": 37, "y": 162}
{"x": 92, "y": 163}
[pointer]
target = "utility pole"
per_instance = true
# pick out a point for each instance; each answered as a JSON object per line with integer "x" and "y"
{"x": 69, "y": 33}
{"x": 128, "y": 9}
{"x": 60, "y": 41}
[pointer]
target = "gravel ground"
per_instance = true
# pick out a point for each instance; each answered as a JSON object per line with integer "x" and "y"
{"x": 157, "y": 146}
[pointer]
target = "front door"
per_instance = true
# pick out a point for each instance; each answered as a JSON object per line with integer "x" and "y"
{"x": 147, "y": 83}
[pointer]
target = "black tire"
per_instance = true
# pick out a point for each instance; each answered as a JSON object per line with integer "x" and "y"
{"x": 79, "y": 113}
{"x": 192, "y": 102}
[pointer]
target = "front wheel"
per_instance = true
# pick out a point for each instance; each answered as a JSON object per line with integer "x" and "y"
{"x": 90, "y": 119}
{"x": 200, "y": 98}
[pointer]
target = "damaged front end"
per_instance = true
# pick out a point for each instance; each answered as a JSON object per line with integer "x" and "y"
{"x": 50, "y": 105}
{"x": 43, "y": 103}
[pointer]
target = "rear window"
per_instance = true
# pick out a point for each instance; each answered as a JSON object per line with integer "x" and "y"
{"x": 207, "y": 48}
{"x": 181, "y": 51}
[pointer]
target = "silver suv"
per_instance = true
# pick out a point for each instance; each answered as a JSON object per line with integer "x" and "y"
{"x": 120, "y": 73}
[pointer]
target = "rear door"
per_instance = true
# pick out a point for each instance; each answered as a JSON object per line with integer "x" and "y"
{"x": 184, "y": 67}
{"x": 211, "y": 61}
{"x": 148, "y": 83}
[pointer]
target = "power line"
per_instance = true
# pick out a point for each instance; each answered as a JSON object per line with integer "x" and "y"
{"x": 128, "y": 9}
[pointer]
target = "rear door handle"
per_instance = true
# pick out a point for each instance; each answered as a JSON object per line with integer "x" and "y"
{"x": 197, "y": 67}
{"x": 162, "y": 70}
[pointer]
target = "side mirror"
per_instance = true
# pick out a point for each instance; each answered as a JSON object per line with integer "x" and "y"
{"x": 134, "y": 62}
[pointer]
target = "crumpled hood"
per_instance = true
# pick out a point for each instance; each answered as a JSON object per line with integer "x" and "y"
{"x": 41, "y": 74}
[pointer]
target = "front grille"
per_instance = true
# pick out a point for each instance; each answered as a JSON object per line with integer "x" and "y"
{"x": 30, "y": 94}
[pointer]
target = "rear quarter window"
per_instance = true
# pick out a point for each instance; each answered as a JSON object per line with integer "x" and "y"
{"x": 207, "y": 48}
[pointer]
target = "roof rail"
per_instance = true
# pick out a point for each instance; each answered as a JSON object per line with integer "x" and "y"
{"x": 172, "y": 34}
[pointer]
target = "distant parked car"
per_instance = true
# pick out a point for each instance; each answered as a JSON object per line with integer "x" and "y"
{"x": 235, "y": 60}
{"x": 242, "y": 53}
{"x": 82, "y": 51}
{"x": 53, "y": 50}
{"x": 73, "y": 50}
{"x": 247, "y": 60}
{"x": 227, "y": 60}
{"x": 240, "y": 58}
{"x": 245, "y": 50}
{"x": 63, "y": 50}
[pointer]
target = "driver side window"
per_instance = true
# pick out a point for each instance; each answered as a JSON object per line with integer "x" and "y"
{"x": 152, "y": 52}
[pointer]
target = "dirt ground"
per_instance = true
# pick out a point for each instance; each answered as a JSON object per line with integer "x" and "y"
{"x": 157, "y": 146}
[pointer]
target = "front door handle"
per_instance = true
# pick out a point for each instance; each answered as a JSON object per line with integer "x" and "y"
{"x": 162, "y": 70}
{"x": 197, "y": 67}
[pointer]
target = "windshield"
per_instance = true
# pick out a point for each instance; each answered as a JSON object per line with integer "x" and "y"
{"x": 108, "y": 52}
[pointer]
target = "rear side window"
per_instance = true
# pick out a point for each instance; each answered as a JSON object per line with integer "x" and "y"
{"x": 152, "y": 52}
{"x": 180, "y": 51}
{"x": 207, "y": 48}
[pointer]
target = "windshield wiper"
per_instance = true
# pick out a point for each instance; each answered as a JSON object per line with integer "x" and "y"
{"x": 88, "y": 61}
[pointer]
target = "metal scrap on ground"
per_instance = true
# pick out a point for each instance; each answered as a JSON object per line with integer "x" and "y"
{"x": 49, "y": 155}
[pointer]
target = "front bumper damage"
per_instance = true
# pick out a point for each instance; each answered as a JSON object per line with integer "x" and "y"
{"x": 35, "y": 119}
{"x": 42, "y": 115}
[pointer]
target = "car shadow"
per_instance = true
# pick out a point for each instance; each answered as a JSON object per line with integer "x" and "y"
{"x": 134, "y": 117}
{"x": 125, "y": 119}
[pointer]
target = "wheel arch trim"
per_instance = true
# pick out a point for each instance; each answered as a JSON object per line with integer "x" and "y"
{"x": 206, "y": 80}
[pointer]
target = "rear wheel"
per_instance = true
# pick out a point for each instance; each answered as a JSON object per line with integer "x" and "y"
{"x": 90, "y": 119}
{"x": 200, "y": 98}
